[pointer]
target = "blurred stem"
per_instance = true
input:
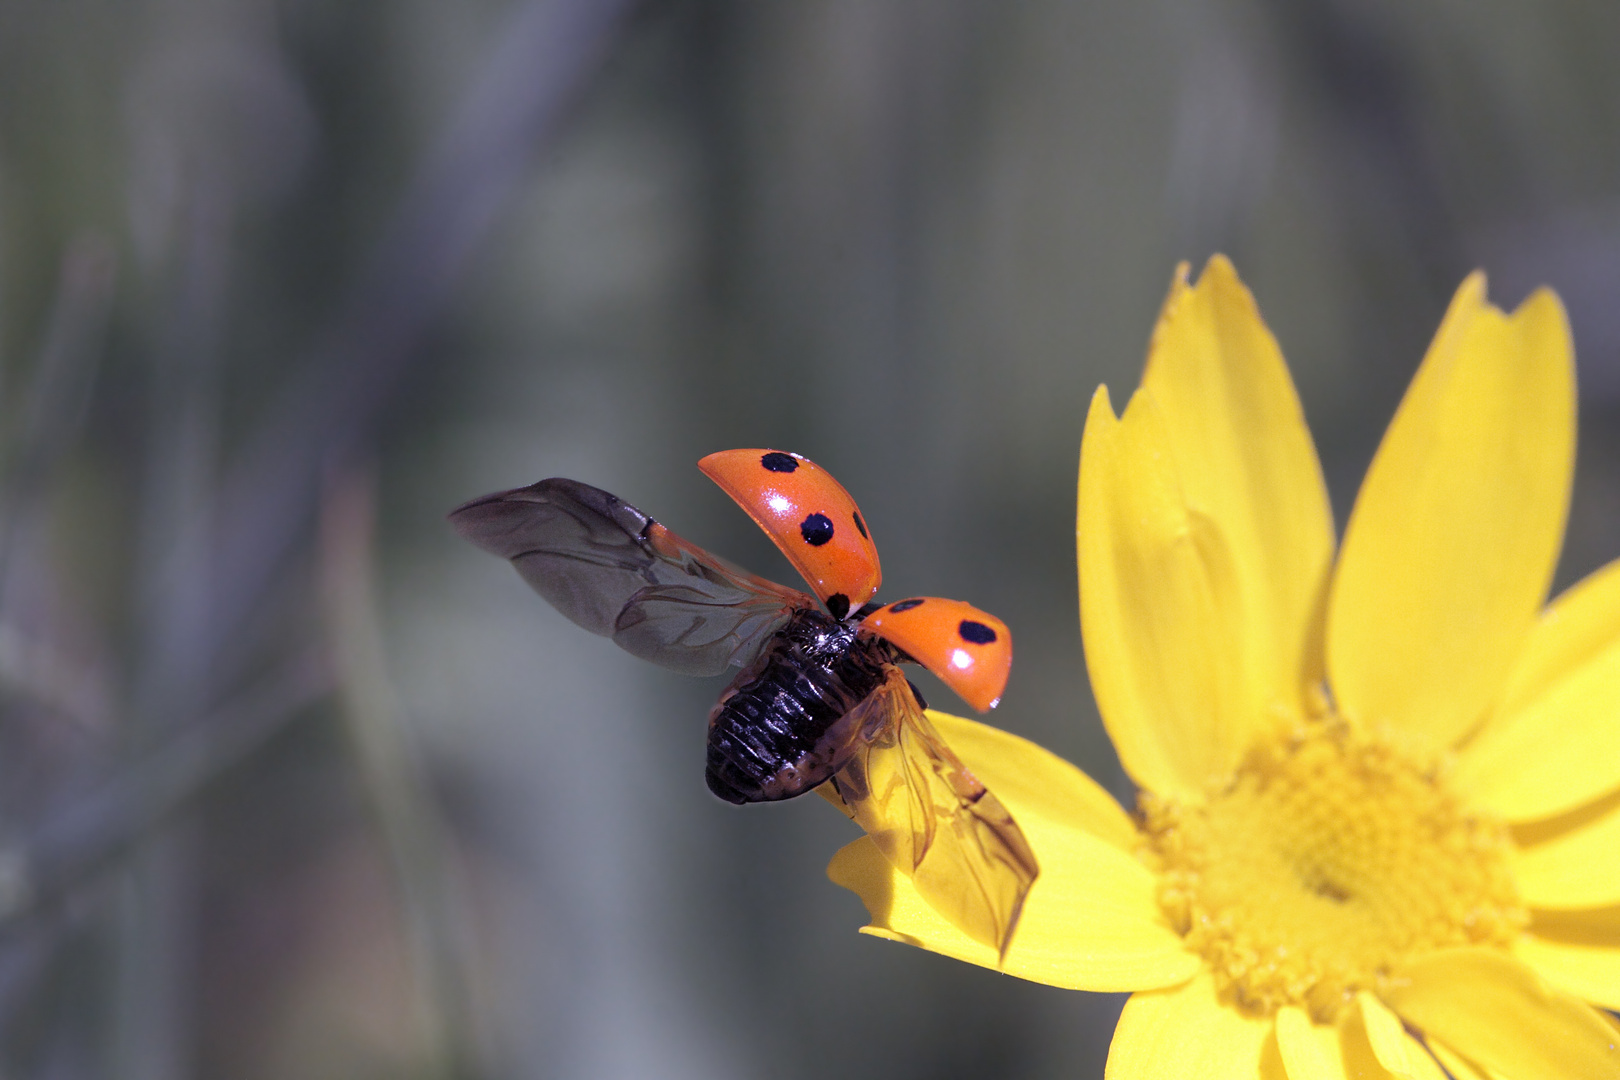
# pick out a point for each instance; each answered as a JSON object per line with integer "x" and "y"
{"x": 430, "y": 908}
{"x": 59, "y": 391}
{"x": 174, "y": 678}
{"x": 97, "y": 828}
{"x": 533, "y": 70}
{"x": 57, "y": 396}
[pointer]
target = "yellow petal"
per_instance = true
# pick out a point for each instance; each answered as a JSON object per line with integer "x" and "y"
{"x": 1155, "y": 581}
{"x": 1367, "y": 1043}
{"x": 1245, "y": 461}
{"x": 1572, "y": 861}
{"x": 1036, "y": 781}
{"x": 1497, "y": 1011}
{"x": 1552, "y": 743}
{"x": 1360, "y": 1058}
{"x": 1577, "y": 951}
{"x": 1090, "y": 921}
{"x": 1459, "y": 1067}
{"x": 1309, "y": 1051}
{"x": 1451, "y": 546}
{"x": 1396, "y": 1052}
{"x": 1188, "y": 1032}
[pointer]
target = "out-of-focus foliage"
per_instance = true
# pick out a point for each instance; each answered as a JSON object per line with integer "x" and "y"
{"x": 293, "y": 783}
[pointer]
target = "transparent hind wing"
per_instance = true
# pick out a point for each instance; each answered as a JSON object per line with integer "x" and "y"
{"x": 932, "y": 818}
{"x": 715, "y": 611}
{"x": 616, "y": 572}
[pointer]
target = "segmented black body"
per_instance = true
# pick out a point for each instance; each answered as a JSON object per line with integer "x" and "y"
{"x": 775, "y": 732}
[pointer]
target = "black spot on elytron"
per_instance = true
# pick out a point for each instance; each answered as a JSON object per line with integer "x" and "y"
{"x": 861, "y": 525}
{"x": 816, "y": 529}
{"x": 916, "y": 693}
{"x": 776, "y": 461}
{"x": 838, "y": 604}
{"x": 905, "y": 605}
{"x": 976, "y": 632}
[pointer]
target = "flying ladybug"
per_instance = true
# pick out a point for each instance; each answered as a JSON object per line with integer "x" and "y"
{"x": 821, "y": 701}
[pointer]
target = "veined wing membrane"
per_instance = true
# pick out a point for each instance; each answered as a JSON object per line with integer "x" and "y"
{"x": 932, "y": 818}
{"x": 616, "y": 572}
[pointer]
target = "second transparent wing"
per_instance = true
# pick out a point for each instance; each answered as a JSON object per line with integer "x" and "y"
{"x": 932, "y": 818}
{"x": 616, "y": 572}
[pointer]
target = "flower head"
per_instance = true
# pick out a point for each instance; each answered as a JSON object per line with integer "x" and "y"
{"x": 1379, "y": 822}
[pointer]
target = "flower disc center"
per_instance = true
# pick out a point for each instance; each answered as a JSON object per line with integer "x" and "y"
{"x": 1327, "y": 857}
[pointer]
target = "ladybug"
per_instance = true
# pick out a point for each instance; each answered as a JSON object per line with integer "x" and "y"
{"x": 820, "y": 702}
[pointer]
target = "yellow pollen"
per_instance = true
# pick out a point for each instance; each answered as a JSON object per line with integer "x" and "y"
{"x": 1328, "y": 856}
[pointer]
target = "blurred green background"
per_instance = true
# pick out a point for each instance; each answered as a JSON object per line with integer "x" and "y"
{"x": 293, "y": 783}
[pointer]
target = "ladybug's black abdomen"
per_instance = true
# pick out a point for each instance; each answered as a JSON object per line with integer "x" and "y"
{"x": 775, "y": 733}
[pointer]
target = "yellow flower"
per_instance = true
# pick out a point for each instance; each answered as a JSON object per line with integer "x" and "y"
{"x": 1380, "y": 812}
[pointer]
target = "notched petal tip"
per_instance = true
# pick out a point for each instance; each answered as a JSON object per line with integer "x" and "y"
{"x": 1542, "y": 316}
{"x": 1218, "y": 277}
{"x": 1219, "y": 272}
{"x": 1095, "y": 439}
{"x": 1180, "y": 283}
{"x": 1455, "y": 534}
{"x": 1234, "y": 433}
{"x": 1101, "y": 410}
{"x": 1472, "y": 291}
